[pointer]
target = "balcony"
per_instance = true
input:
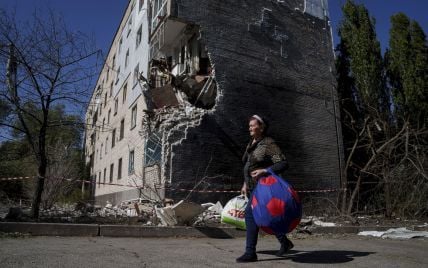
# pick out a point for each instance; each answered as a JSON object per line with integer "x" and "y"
{"x": 165, "y": 29}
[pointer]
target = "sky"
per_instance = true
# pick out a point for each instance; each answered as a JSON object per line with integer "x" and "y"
{"x": 382, "y": 10}
{"x": 102, "y": 17}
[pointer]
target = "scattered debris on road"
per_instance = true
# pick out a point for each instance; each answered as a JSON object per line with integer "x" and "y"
{"x": 396, "y": 233}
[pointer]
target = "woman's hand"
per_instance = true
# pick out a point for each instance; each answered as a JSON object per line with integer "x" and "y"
{"x": 244, "y": 189}
{"x": 256, "y": 174}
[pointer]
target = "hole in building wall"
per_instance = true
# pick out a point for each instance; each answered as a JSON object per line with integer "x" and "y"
{"x": 182, "y": 73}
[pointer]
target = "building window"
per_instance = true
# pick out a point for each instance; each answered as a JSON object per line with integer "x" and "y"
{"x": 120, "y": 44}
{"x": 106, "y": 146}
{"x": 101, "y": 151}
{"x": 129, "y": 25}
{"x": 135, "y": 76}
{"x": 111, "y": 89}
{"x": 134, "y": 117}
{"x": 105, "y": 172}
{"x": 122, "y": 129}
{"x": 108, "y": 72}
{"x": 108, "y": 116}
{"x": 131, "y": 162}
{"x": 105, "y": 99}
{"x": 119, "y": 169}
{"x": 127, "y": 58}
{"x": 125, "y": 89}
{"x": 113, "y": 138}
{"x": 141, "y": 4}
{"x": 113, "y": 64}
{"x": 117, "y": 77}
{"x": 116, "y": 105}
{"x": 139, "y": 35}
{"x": 152, "y": 149}
{"x": 111, "y": 172}
{"x": 104, "y": 122}
{"x": 99, "y": 179}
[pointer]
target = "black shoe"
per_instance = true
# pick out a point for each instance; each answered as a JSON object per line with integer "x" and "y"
{"x": 286, "y": 245}
{"x": 247, "y": 257}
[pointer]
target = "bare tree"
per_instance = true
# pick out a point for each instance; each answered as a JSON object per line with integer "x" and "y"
{"x": 43, "y": 64}
{"x": 386, "y": 163}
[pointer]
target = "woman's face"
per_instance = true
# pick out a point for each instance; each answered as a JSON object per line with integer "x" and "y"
{"x": 255, "y": 128}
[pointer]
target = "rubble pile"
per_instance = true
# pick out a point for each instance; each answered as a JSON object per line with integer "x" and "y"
{"x": 211, "y": 216}
{"x": 138, "y": 211}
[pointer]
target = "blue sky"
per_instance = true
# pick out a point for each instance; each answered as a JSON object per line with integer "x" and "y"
{"x": 382, "y": 10}
{"x": 101, "y": 17}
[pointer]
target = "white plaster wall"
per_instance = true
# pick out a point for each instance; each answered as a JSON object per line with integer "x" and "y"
{"x": 132, "y": 139}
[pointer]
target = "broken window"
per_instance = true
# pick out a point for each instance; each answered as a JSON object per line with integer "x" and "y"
{"x": 153, "y": 149}
{"x": 158, "y": 12}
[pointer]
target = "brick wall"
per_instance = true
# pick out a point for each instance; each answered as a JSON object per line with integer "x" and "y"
{"x": 293, "y": 89}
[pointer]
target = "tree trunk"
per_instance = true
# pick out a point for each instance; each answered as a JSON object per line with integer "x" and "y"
{"x": 39, "y": 190}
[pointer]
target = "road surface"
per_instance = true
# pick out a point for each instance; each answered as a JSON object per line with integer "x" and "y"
{"x": 309, "y": 251}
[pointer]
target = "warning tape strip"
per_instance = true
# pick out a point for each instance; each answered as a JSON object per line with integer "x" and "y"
{"x": 174, "y": 189}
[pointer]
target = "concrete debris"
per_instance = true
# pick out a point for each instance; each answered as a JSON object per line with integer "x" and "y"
{"x": 312, "y": 220}
{"x": 181, "y": 213}
{"x": 169, "y": 90}
{"x": 397, "y": 233}
{"x": 324, "y": 224}
{"x": 211, "y": 216}
{"x": 166, "y": 215}
{"x": 137, "y": 211}
{"x": 185, "y": 211}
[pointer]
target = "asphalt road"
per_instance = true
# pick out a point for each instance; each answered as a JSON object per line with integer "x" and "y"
{"x": 309, "y": 251}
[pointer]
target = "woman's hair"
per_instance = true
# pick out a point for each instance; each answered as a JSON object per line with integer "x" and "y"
{"x": 262, "y": 121}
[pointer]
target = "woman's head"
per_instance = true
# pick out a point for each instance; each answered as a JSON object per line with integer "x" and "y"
{"x": 257, "y": 126}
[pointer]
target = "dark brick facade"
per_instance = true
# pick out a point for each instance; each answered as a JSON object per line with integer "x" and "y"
{"x": 293, "y": 88}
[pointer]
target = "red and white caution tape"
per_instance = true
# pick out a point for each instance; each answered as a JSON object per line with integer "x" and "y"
{"x": 173, "y": 189}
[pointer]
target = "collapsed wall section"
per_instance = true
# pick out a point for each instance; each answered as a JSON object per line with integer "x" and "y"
{"x": 269, "y": 59}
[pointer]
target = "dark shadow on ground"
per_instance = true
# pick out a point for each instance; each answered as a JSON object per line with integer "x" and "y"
{"x": 213, "y": 232}
{"x": 318, "y": 256}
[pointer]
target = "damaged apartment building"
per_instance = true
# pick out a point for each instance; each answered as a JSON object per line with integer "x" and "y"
{"x": 168, "y": 116}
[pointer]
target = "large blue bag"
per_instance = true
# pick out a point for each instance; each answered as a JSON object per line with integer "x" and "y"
{"x": 276, "y": 206}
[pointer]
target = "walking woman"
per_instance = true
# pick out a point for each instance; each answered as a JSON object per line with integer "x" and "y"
{"x": 261, "y": 153}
